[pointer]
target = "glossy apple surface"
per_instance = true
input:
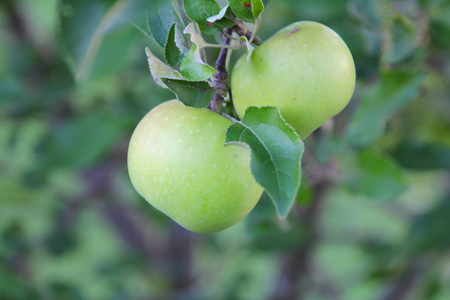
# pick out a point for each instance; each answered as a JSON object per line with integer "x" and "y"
{"x": 177, "y": 162}
{"x": 305, "y": 69}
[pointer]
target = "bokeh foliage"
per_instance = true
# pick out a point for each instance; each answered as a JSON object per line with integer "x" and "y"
{"x": 372, "y": 219}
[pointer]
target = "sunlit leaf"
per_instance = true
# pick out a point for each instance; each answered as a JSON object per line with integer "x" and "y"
{"x": 160, "y": 69}
{"x": 172, "y": 53}
{"x": 248, "y": 10}
{"x": 276, "y": 151}
{"x": 200, "y": 10}
{"x": 194, "y": 70}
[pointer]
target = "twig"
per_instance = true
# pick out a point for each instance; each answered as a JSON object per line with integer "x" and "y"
{"x": 242, "y": 30}
{"x": 180, "y": 251}
{"x": 296, "y": 265}
{"x": 220, "y": 79}
{"x": 130, "y": 227}
{"x": 405, "y": 283}
{"x": 229, "y": 117}
{"x": 134, "y": 229}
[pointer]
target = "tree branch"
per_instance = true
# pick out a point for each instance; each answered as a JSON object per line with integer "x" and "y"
{"x": 403, "y": 287}
{"x": 296, "y": 265}
{"x": 180, "y": 249}
{"x": 220, "y": 79}
{"x": 132, "y": 227}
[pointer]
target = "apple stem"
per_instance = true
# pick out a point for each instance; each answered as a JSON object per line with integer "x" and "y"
{"x": 220, "y": 79}
{"x": 242, "y": 30}
{"x": 229, "y": 117}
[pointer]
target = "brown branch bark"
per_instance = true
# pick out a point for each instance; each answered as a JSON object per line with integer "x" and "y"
{"x": 296, "y": 265}
{"x": 180, "y": 249}
{"x": 220, "y": 79}
{"x": 171, "y": 255}
{"x": 402, "y": 288}
{"x": 133, "y": 229}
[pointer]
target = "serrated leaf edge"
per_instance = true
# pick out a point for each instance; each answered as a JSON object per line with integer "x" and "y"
{"x": 281, "y": 214}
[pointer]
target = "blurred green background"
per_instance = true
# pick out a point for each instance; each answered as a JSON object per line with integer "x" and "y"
{"x": 373, "y": 215}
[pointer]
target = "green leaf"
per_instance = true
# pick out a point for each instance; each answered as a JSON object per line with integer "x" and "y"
{"x": 61, "y": 240}
{"x": 257, "y": 8}
{"x": 369, "y": 12}
{"x": 193, "y": 70}
{"x": 83, "y": 24}
{"x": 375, "y": 175}
{"x": 420, "y": 155}
{"x": 276, "y": 151}
{"x": 84, "y": 140}
{"x": 172, "y": 53}
{"x": 117, "y": 47}
{"x": 62, "y": 290}
{"x": 197, "y": 40}
{"x": 266, "y": 3}
{"x": 397, "y": 29}
{"x": 224, "y": 19}
{"x": 248, "y": 10}
{"x": 400, "y": 41}
{"x": 180, "y": 41}
{"x": 191, "y": 93}
{"x": 200, "y": 10}
{"x": 393, "y": 91}
{"x": 249, "y": 47}
{"x": 430, "y": 230}
{"x": 160, "y": 69}
{"x": 160, "y": 20}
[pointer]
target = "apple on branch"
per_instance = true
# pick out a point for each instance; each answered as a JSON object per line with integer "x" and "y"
{"x": 177, "y": 162}
{"x": 305, "y": 70}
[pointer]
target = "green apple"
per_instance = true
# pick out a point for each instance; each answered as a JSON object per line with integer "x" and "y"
{"x": 305, "y": 69}
{"x": 178, "y": 163}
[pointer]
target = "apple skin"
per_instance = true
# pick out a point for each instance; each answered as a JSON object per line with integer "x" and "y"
{"x": 305, "y": 70}
{"x": 177, "y": 162}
